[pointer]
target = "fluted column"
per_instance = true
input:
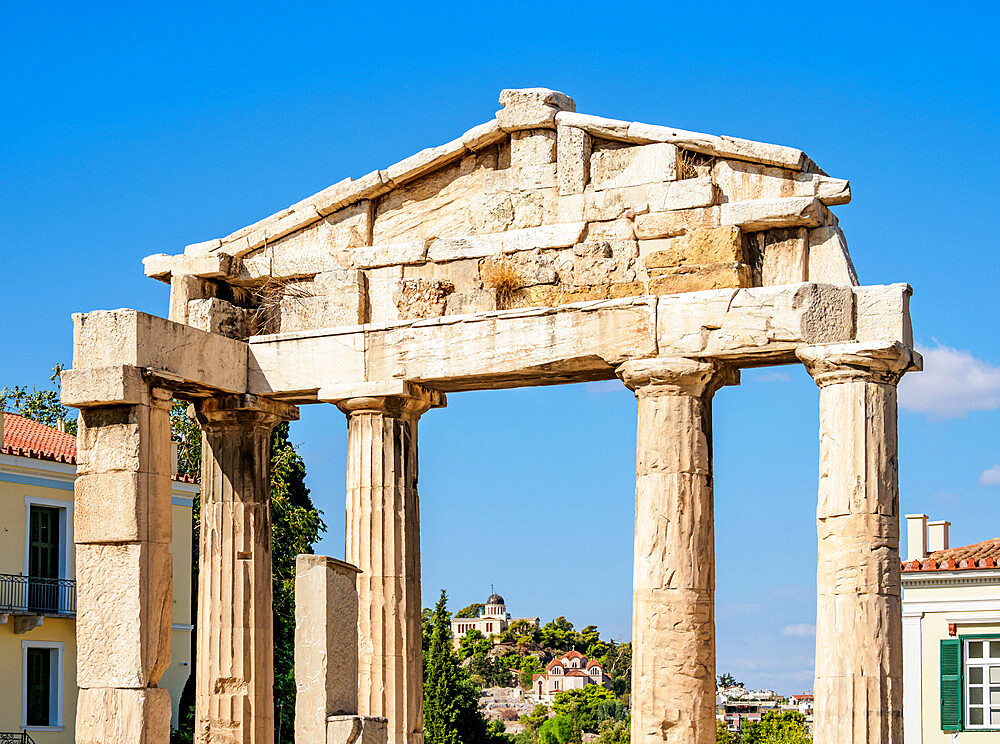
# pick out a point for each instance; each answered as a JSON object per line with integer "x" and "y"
{"x": 234, "y": 684}
{"x": 673, "y": 599}
{"x": 859, "y": 663}
{"x": 383, "y": 541}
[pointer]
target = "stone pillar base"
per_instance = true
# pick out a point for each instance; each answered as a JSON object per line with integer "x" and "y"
{"x": 356, "y": 730}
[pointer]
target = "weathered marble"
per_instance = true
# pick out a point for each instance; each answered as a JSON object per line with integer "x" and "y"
{"x": 673, "y": 605}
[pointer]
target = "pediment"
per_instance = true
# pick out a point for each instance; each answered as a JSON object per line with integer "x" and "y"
{"x": 540, "y": 206}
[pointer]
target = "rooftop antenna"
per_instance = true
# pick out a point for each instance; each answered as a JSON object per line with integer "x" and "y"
{"x": 492, "y": 592}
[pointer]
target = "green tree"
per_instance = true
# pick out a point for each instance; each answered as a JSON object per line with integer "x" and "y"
{"x": 451, "y": 713}
{"x": 473, "y": 643}
{"x": 614, "y": 732}
{"x": 42, "y": 406}
{"x": 724, "y": 735}
{"x": 523, "y": 632}
{"x": 788, "y": 727}
{"x": 473, "y": 610}
{"x": 586, "y": 707}
{"x": 618, "y": 665}
{"x": 558, "y": 730}
{"x": 530, "y": 665}
{"x": 728, "y": 680}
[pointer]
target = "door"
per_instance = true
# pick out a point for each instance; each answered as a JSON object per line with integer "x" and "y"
{"x": 43, "y": 559}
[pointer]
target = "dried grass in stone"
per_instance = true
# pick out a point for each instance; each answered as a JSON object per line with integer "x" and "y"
{"x": 264, "y": 302}
{"x": 503, "y": 277}
{"x": 691, "y": 164}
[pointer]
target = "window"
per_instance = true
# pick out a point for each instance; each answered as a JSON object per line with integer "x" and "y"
{"x": 970, "y": 683}
{"x": 41, "y": 684}
{"x": 982, "y": 675}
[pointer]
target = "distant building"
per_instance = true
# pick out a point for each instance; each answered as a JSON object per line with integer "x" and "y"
{"x": 494, "y": 619}
{"x": 951, "y": 637}
{"x": 737, "y": 706}
{"x": 571, "y": 671}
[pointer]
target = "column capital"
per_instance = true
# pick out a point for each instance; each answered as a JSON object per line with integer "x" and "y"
{"x": 676, "y": 376}
{"x": 225, "y": 410}
{"x": 388, "y": 396}
{"x": 830, "y": 364}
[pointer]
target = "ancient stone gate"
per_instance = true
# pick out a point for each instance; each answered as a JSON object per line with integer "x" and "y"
{"x": 542, "y": 247}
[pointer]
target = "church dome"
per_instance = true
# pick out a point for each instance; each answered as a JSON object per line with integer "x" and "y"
{"x": 495, "y": 599}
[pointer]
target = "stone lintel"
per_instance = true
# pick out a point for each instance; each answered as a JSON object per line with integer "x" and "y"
{"x": 202, "y": 265}
{"x": 580, "y": 342}
{"x": 859, "y": 361}
{"x": 341, "y": 394}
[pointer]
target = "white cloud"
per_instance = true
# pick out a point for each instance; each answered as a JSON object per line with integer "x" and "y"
{"x": 952, "y": 384}
{"x": 606, "y": 386}
{"x": 990, "y": 476}
{"x": 802, "y": 630}
{"x": 770, "y": 375}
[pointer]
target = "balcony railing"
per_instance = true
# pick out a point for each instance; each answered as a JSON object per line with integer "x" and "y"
{"x": 15, "y": 737}
{"x": 33, "y": 596}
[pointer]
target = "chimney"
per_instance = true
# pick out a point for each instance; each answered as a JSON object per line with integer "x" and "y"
{"x": 61, "y": 425}
{"x": 916, "y": 537}
{"x": 937, "y": 535}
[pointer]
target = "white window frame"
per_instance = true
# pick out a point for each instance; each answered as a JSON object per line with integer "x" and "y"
{"x": 985, "y": 663}
{"x": 65, "y": 528}
{"x": 56, "y": 681}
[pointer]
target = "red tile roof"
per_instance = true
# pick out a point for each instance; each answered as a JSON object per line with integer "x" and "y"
{"x": 985, "y": 554}
{"x": 23, "y": 437}
{"x": 574, "y": 654}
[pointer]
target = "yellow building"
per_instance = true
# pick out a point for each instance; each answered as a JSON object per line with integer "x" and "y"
{"x": 37, "y": 586}
{"x": 951, "y": 637}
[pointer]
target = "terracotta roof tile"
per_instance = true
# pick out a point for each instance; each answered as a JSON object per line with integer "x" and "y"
{"x": 985, "y": 554}
{"x": 23, "y": 437}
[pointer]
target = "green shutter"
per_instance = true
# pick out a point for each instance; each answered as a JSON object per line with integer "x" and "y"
{"x": 38, "y": 686}
{"x": 951, "y": 684}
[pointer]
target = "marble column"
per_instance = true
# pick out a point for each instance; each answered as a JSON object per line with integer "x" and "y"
{"x": 234, "y": 696}
{"x": 859, "y": 662}
{"x": 122, "y": 530}
{"x": 673, "y": 600}
{"x": 383, "y": 541}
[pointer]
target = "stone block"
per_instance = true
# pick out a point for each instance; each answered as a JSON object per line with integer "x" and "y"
{"x": 102, "y": 386}
{"x": 218, "y": 316}
{"x": 602, "y": 262}
{"x": 126, "y": 438}
{"x": 214, "y": 265}
{"x": 425, "y": 161}
{"x": 357, "y": 730}
{"x": 541, "y": 176}
{"x": 620, "y": 229}
{"x": 785, "y": 255}
{"x": 483, "y": 135}
{"x": 883, "y": 313}
{"x": 479, "y": 246}
{"x": 699, "y": 246}
{"x": 693, "y": 279}
{"x": 116, "y": 716}
{"x": 829, "y": 261}
{"x": 763, "y": 214}
{"x": 122, "y": 506}
{"x": 570, "y": 208}
{"x": 741, "y": 181}
{"x": 326, "y": 644}
{"x": 470, "y": 301}
{"x": 633, "y": 166}
{"x": 124, "y": 612}
{"x": 374, "y": 256}
{"x": 573, "y": 159}
{"x": 383, "y": 283}
{"x": 612, "y": 204}
{"x": 669, "y": 224}
{"x": 688, "y": 193}
{"x": 107, "y": 338}
{"x": 532, "y": 147}
{"x": 339, "y": 300}
{"x": 596, "y": 126}
{"x": 420, "y": 298}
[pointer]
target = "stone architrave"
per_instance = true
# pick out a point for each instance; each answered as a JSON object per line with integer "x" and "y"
{"x": 326, "y": 644}
{"x": 383, "y": 540}
{"x": 122, "y": 530}
{"x": 234, "y": 697}
{"x": 859, "y": 663}
{"x": 673, "y": 604}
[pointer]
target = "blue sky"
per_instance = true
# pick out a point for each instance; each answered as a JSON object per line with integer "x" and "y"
{"x": 128, "y": 130}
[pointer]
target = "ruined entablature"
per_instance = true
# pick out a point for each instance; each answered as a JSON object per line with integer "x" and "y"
{"x": 539, "y": 207}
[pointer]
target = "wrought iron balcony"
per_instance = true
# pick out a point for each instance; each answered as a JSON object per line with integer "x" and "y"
{"x": 29, "y": 595}
{"x": 15, "y": 737}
